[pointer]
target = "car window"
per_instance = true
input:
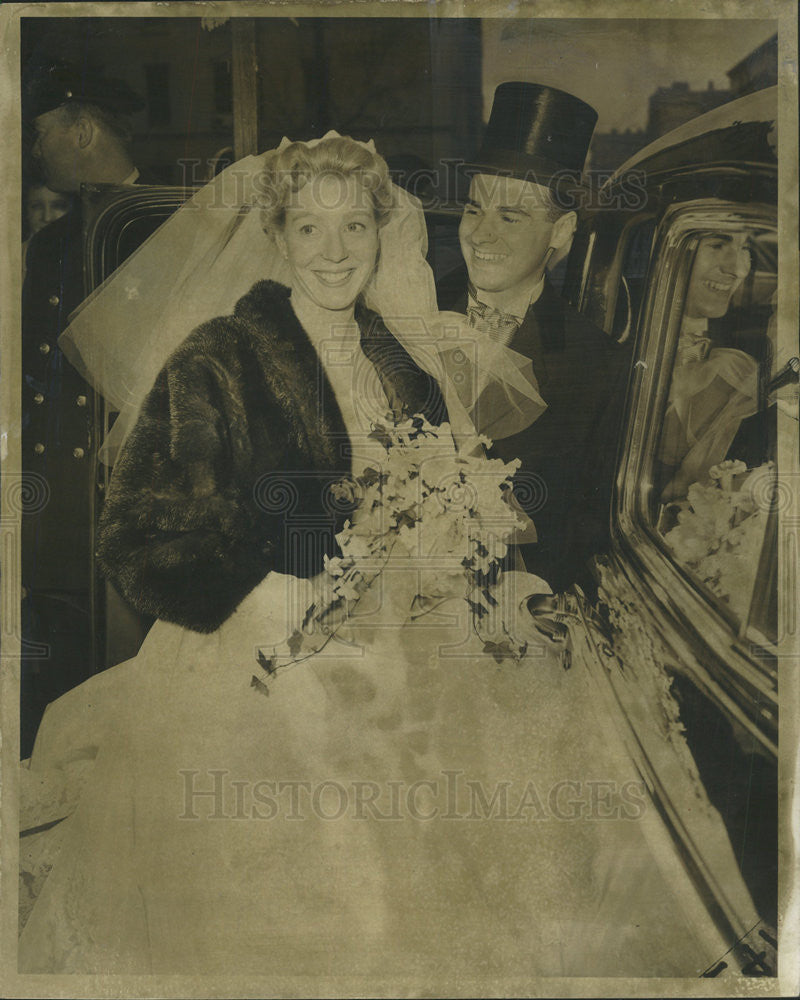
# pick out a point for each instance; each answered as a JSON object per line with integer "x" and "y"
{"x": 714, "y": 464}
{"x": 609, "y": 265}
{"x": 633, "y": 277}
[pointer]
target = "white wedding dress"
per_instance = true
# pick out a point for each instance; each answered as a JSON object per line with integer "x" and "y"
{"x": 403, "y": 813}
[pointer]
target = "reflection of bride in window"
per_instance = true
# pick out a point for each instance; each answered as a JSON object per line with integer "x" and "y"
{"x": 714, "y": 384}
{"x": 410, "y": 803}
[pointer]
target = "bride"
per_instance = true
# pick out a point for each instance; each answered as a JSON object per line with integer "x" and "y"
{"x": 424, "y": 796}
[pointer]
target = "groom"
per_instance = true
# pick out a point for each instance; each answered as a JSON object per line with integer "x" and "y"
{"x": 517, "y": 216}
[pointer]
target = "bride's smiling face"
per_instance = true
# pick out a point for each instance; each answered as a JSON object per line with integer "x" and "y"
{"x": 330, "y": 239}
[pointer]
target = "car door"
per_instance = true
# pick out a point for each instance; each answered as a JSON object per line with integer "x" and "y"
{"x": 692, "y": 625}
{"x": 116, "y": 222}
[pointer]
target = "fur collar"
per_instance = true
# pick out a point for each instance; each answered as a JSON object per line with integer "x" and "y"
{"x": 267, "y": 307}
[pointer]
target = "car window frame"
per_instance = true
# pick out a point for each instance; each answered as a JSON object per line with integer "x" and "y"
{"x": 715, "y": 649}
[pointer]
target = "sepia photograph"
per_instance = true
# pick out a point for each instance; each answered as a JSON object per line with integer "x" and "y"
{"x": 400, "y": 518}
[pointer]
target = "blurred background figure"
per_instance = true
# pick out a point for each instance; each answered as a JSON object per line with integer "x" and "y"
{"x": 40, "y": 207}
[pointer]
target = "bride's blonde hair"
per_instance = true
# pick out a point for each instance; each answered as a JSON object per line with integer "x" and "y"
{"x": 294, "y": 165}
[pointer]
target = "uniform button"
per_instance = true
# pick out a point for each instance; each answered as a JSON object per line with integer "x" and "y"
{"x": 81, "y": 401}
{"x": 38, "y": 399}
{"x": 44, "y": 347}
{"x": 39, "y": 448}
{"x": 54, "y": 300}
{"x": 78, "y": 452}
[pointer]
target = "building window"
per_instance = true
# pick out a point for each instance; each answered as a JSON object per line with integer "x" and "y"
{"x": 159, "y": 110}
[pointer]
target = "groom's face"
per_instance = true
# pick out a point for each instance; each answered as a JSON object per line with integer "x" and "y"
{"x": 505, "y": 232}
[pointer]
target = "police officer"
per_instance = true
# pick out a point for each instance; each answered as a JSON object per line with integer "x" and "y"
{"x": 81, "y": 134}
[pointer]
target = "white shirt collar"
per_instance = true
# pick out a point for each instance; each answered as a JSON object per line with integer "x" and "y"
{"x": 132, "y": 177}
{"x": 519, "y": 307}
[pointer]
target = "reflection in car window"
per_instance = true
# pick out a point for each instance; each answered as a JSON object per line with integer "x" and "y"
{"x": 715, "y": 463}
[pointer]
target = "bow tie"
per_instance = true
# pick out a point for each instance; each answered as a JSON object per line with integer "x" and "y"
{"x": 498, "y": 325}
{"x": 693, "y": 347}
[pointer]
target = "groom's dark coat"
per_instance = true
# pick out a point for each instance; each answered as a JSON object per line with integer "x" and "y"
{"x": 227, "y": 473}
{"x": 569, "y": 454}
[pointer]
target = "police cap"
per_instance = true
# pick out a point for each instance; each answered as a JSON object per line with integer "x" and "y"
{"x": 55, "y": 84}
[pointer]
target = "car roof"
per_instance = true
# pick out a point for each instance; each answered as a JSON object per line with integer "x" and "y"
{"x": 742, "y": 130}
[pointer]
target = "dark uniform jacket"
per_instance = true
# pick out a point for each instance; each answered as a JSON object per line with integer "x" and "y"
{"x": 57, "y": 417}
{"x": 59, "y": 441}
{"x": 568, "y": 454}
{"x": 226, "y": 474}
{"x": 58, "y": 463}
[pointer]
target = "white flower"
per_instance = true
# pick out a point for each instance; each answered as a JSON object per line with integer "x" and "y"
{"x": 439, "y": 471}
{"x": 336, "y": 566}
{"x": 729, "y": 467}
{"x": 348, "y": 590}
{"x": 356, "y": 547}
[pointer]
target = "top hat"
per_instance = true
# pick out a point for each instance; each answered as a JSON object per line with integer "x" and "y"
{"x": 535, "y": 133}
{"x": 56, "y": 84}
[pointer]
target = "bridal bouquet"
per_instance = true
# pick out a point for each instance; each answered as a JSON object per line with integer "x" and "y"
{"x": 720, "y": 532}
{"x": 444, "y": 512}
